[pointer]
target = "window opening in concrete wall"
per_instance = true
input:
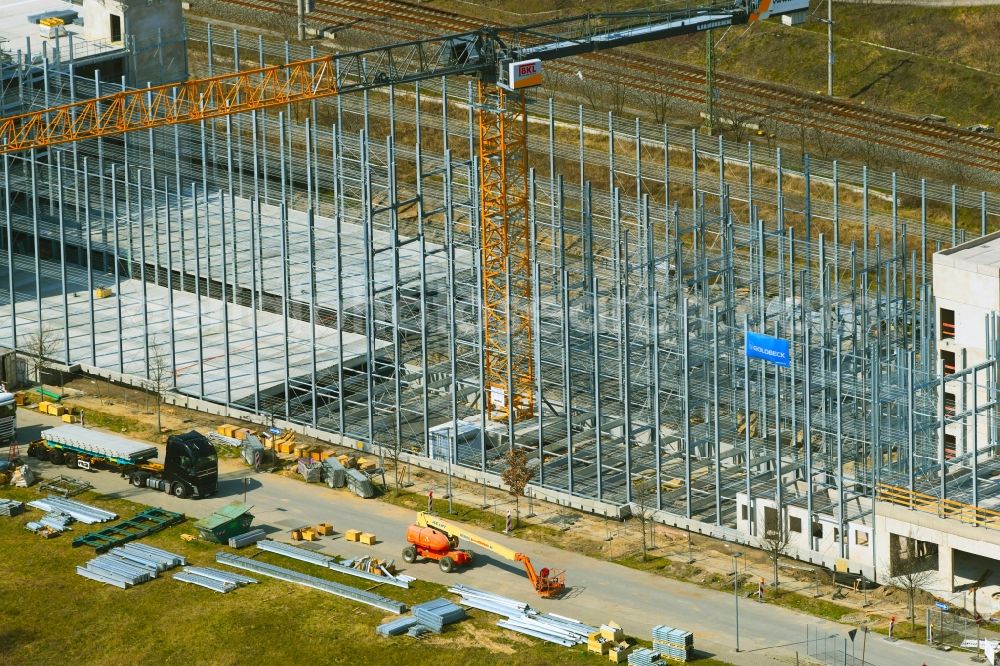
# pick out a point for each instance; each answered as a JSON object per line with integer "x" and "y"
{"x": 795, "y": 524}
{"x": 947, "y": 320}
{"x": 949, "y": 446}
{"x": 949, "y": 361}
{"x": 861, "y": 538}
{"x": 909, "y": 555}
{"x": 770, "y": 520}
{"x": 116, "y": 28}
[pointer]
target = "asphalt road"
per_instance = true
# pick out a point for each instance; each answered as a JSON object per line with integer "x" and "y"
{"x": 599, "y": 591}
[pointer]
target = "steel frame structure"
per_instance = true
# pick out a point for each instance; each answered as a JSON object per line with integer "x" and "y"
{"x": 325, "y": 272}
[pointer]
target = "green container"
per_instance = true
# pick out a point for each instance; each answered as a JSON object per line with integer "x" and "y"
{"x": 229, "y": 521}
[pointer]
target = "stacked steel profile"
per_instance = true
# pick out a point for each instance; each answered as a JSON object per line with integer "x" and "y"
{"x": 130, "y": 565}
{"x": 525, "y": 620}
{"x": 281, "y": 573}
{"x": 83, "y": 513}
{"x": 213, "y": 579}
{"x": 319, "y": 559}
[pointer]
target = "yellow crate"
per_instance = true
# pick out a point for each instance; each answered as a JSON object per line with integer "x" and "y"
{"x": 367, "y": 538}
{"x": 352, "y": 535}
{"x": 315, "y": 454}
{"x": 56, "y": 410}
{"x": 68, "y": 418}
{"x": 241, "y": 433}
{"x": 325, "y": 453}
{"x": 102, "y": 292}
{"x": 326, "y": 529}
{"x": 309, "y": 535}
{"x": 43, "y": 406}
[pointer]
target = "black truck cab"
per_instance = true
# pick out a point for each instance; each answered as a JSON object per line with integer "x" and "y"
{"x": 190, "y": 465}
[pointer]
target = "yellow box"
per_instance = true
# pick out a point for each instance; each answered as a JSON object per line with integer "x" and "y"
{"x": 310, "y": 535}
{"x": 367, "y": 538}
{"x": 56, "y": 410}
{"x": 352, "y": 535}
{"x": 225, "y": 429}
{"x": 241, "y": 433}
{"x": 315, "y": 454}
{"x": 326, "y": 529}
{"x": 300, "y": 450}
{"x": 325, "y": 453}
{"x": 612, "y": 631}
{"x": 43, "y": 406}
{"x": 102, "y": 292}
{"x": 68, "y": 418}
{"x": 296, "y": 535}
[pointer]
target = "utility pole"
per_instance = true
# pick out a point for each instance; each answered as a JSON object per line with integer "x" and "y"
{"x": 301, "y": 7}
{"x": 829, "y": 47}
{"x": 711, "y": 117}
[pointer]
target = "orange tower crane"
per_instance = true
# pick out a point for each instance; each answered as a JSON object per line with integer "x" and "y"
{"x": 506, "y": 60}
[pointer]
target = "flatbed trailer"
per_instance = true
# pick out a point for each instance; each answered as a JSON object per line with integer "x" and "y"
{"x": 189, "y": 468}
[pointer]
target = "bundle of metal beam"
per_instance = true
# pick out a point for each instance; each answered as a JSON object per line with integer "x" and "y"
{"x": 352, "y": 593}
{"x": 438, "y": 613}
{"x": 247, "y": 538}
{"x": 147, "y": 556}
{"x": 218, "y": 574}
{"x": 81, "y": 512}
{"x": 113, "y": 570}
{"x": 11, "y": 508}
{"x": 56, "y": 521}
{"x": 396, "y": 627}
{"x": 486, "y": 601}
{"x": 523, "y": 626}
{"x": 206, "y": 582}
{"x": 417, "y": 630}
{"x": 645, "y": 657}
{"x": 522, "y": 618}
{"x": 330, "y": 563}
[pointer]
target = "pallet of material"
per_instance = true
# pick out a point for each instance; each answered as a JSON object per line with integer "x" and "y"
{"x": 247, "y": 538}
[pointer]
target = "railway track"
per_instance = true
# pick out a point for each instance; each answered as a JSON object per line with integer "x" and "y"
{"x": 740, "y": 97}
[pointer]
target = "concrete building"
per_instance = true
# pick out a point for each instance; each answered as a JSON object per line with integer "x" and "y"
{"x": 105, "y": 40}
{"x": 967, "y": 296}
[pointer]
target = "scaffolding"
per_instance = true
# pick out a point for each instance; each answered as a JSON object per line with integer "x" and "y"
{"x": 321, "y": 266}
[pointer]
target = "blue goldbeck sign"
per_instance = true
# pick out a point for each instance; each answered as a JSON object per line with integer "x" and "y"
{"x": 769, "y": 348}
